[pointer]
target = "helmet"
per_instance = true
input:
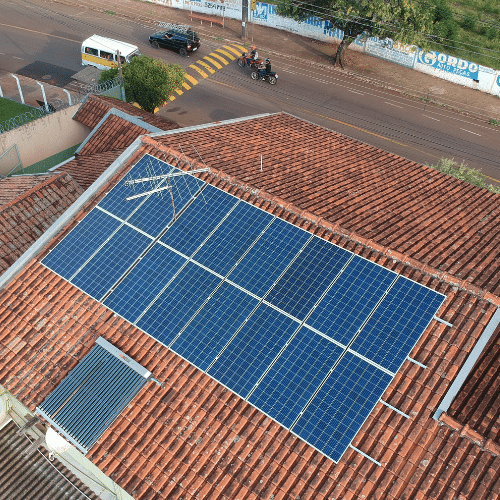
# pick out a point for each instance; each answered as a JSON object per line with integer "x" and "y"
{"x": 254, "y": 47}
{"x": 268, "y": 60}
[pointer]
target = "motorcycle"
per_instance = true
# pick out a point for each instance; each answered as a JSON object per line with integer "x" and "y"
{"x": 271, "y": 77}
{"x": 244, "y": 60}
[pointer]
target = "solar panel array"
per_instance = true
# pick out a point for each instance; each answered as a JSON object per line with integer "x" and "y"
{"x": 306, "y": 331}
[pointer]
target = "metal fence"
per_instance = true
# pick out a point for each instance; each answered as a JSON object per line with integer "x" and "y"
{"x": 111, "y": 88}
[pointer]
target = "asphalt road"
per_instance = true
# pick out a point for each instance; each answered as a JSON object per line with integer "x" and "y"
{"x": 33, "y": 32}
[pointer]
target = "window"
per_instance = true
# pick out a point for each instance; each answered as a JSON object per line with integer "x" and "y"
{"x": 91, "y": 51}
{"x": 107, "y": 55}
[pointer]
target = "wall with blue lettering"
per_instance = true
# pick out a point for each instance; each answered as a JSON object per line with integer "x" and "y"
{"x": 434, "y": 63}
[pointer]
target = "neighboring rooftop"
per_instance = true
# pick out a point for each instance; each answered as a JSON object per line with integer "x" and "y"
{"x": 33, "y": 476}
{"x": 40, "y": 200}
{"x": 192, "y": 438}
{"x": 96, "y": 107}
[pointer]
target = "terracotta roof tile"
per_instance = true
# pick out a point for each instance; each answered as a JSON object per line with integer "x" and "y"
{"x": 95, "y": 107}
{"x": 193, "y": 438}
{"x": 86, "y": 169}
{"x": 30, "y": 213}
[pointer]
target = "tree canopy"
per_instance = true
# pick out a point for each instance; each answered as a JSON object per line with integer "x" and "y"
{"x": 406, "y": 21}
{"x": 147, "y": 81}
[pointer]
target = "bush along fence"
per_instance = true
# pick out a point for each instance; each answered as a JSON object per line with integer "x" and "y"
{"x": 435, "y": 63}
{"x": 110, "y": 88}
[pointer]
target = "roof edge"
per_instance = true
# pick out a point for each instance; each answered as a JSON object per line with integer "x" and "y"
{"x": 212, "y": 124}
{"x": 69, "y": 214}
{"x": 468, "y": 365}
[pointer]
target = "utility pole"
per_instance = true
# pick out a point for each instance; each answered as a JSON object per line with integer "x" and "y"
{"x": 244, "y": 18}
{"x": 122, "y": 87}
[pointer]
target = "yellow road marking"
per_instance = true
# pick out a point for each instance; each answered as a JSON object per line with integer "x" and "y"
{"x": 192, "y": 80}
{"x": 233, "y": 50}
{"x": 227, "y": 54}
{"x": 172, "y": 98}
{"x": 205, "y": 65}
{"x": 186, "y": 86}
{"x": 200, "y": 71}
{"x": 221, "y": 59}
{"x": 239, "y": 47}
{"x": 179, "y": 91}
{"x": 214, "y": 62}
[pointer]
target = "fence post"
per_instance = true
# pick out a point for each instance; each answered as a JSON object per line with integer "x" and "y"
{"x": 69, "y": 96}
{"x": 44, "y": 97}
{"x": 19, "y": 88}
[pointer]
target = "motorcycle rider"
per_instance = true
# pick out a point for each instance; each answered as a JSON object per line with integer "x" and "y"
{"x": 252, "y": 55}
{"x": 265, "y": 70}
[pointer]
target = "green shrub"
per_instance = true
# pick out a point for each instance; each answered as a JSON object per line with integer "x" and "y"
{"x": 465, "y": 173}
{"x": 469, "y": 24}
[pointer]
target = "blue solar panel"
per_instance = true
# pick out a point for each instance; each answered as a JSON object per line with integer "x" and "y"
{"x": 115, "y": 201}
{"x": 144, "y": 282}
{"x": 308, "y": 277}
{"x": 201, "y": 218}
{"x": 158, "y": 209}
{"x": 397, "y": 324}
{"x": 233, "y": 238}
{"x": 178, "y": 303}
{"x": 341, "y": 406}
{"x": 269, "y": 257}
{"x": 247, "y": 357}
{"x": 294, "y": 378}
{"x": 69, "y": 255}
{"x": 108, "y": 265}
{"x": 351, "y": 299}
{"x": 214, "y": 326}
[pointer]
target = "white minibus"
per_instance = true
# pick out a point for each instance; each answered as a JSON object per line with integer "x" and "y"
{"x": 100, "y": 52}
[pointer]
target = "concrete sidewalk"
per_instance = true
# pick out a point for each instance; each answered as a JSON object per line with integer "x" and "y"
{"x": 282, "y": 45}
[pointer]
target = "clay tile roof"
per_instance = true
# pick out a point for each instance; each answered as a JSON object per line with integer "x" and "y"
{"x": 86, "y": 169}
{"x": 12, "y": 187}
{"x": 477, "y": 405}
{"x": 445, "y": 223}
{"x": 192, "y": 438}
{"x": 114, "y": 133}
{"x": 95, "y": 107}
{"x": 24, "y": 219}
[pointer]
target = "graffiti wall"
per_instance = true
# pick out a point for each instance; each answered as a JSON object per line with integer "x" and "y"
{"x": 434, "y": 63}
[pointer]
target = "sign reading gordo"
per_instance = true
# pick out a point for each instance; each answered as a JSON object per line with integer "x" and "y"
{"x": 450, "y": 64}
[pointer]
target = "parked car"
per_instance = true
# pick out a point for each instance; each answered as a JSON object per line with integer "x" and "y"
{"x": 176, "y": 37}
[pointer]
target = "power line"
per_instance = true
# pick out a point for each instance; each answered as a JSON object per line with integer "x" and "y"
{"x": 317, "y": 11}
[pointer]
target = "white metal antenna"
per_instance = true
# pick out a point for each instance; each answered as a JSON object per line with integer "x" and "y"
{"x": 158, "y": 182}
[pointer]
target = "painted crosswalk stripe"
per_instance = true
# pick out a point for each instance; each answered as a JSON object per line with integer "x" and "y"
{"x": 172, "y": 98}
{"x": 200, "y": 71}
{"x": 186, "y": 86}
{"x": 213, "y": 62}
{"x": 221, "y": 59}
{"x": 233, "y": 50}
{"x": 192, "y": 80}
{"x": 179, "y": 91}
{"x": 240, "y": 47}
{"x": 227, "y": 54}
{"x": 206, "y": 66}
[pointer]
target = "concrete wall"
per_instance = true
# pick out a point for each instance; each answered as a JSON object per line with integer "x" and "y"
{"x": 44, "y": 137}
{"x": 433, "y": 63}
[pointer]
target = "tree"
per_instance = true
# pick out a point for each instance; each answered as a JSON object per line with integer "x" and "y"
{"x": 405, "y": 21}
{"x": 147, "y": 81}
